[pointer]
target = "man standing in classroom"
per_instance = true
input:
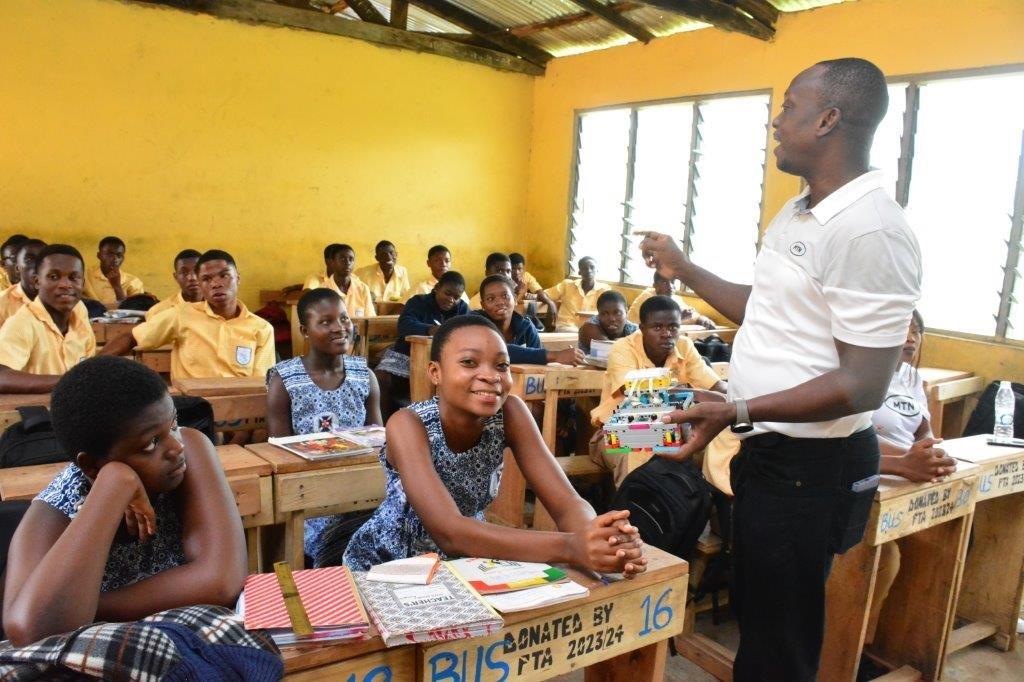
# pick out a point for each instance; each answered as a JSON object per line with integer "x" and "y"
{"x": 835, "y": 282}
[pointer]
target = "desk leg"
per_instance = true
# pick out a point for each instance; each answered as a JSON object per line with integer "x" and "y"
{"x": 508, "y": 505}
{"x": 646, "y": 663}
{"x": 254, "y": 549}
{"x": 988, "y": 595}
{"x": 294, "y": 552}
{"x": 848, "y": 594}
{"x": 918, "y": 615}
{"x": 419, "y": 383}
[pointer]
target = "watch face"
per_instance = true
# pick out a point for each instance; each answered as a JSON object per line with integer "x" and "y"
{"x": 742, "y": 428}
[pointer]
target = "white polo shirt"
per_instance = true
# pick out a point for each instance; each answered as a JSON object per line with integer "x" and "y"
{"x": 847, "y": 269}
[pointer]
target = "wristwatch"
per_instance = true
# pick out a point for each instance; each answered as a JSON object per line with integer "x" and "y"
{"x": 742, "y": 423}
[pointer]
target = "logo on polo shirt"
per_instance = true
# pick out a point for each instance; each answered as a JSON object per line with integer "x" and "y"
{"x": 243, "y": 355}
{"x": 903, "y": 405}
{"x": 797, "y": 248}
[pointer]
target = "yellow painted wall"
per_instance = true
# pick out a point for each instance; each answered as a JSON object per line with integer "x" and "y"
{"x": 901, "y": 36}
{"x": 177, "y": 130}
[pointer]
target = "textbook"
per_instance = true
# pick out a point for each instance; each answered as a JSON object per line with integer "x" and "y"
{"x": 328, "y": 595}
{"x": 367, "y": 436}
{"x": 599, "y": 350}
{"x": 535, "y": 597}
{"x": 445, "y": 609}
{"x": 417, "y": 570}
{"x": 491, "y": 576}
{"x": 316, "y": 446}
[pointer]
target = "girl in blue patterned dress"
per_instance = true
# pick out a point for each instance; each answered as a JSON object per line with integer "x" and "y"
{"x": 143, "y": 519}
{"x": 443, "y": 462}
{"x": 324, "y": 390}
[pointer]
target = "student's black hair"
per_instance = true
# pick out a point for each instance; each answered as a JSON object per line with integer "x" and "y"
{"x": 95, "y": 398}
{"x": 494, "y": 259}
{"x": 611, "y": 296}
{"x": 491, "y": 279}
{"x": 451, "y": 277}
{"x": 579, "y": 263}
{"x": 58, "y": 250}
{"x": 29, "y": 243}
{"x": 445, "y": 331}
{"x": 658, "y": 304}
{"x": 311, "y": 298}
{"x": 383, "y": 244}
{"x": 436, "y": 249}
{"x": 112, "y": 241}
{"x": 13, "y": 240}
{"x": 216, "y": 254}
{"x": 331, "y": 251}
{"x": 857, "y": 88}
{"x": 517, "y": 258}
{"x": 185, "y": 254}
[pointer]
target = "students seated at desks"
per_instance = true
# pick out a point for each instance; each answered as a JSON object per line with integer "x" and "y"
{"x": 48, "y": 336}
{"x": 527, "y": 286}
{"x": 665, "y": 287}
{"x": 340, "y": 260}
{"x": 106, "y": 282}
{"x": 443, "y": 463}
{"x": 521, "y": 337}
{"x": 324, "y": 390}
{"x": 9, "y": 254}
{"x": 497, "y": 263}
{"x": 217, "y": 337}
{"x": 24, "y": 290}
{"x": 186, "y": 276}
{"x": 609, "y": 324}
{"x": 141, "y": 521}
{"x": 908, "y": 450}
{"x": 388, "y": 281}
{"x": 574, "y": 294}
{"x": 422, "y": 315}
{"x": 439, "y": 260}
{"x": 656, "y": 344}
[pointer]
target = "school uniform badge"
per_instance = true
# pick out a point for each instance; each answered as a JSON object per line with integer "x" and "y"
{"x": 243, "y": 355}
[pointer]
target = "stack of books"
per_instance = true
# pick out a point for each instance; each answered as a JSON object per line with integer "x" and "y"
{"x": 511, "y": 586}
{"x": 318, "y": 446}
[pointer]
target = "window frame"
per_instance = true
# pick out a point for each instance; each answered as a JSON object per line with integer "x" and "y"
{"x": 633, "y": 107}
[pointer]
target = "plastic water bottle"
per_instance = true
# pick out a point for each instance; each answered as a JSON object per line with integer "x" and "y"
{"x": 1004, "y": 411}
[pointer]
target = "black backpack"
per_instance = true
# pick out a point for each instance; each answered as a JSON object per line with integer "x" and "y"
{"x": 670, "y": 502}
{"x": 195, "y": 413}
{"x": 714, "y": 349}
{"x": 983, "y": 418}
{"x": 30, "y": 441}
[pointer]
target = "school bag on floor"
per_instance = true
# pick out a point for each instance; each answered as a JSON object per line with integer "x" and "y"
{"x": 714, "y": 349}
{"x": 983, "y": 418}
{"x": 669, "y": 502}
{"x": 30, "y": 441}
{"x": 195, "y": 413}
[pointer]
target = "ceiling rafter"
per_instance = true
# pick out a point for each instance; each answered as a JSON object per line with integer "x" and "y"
{"x": 610, "y": 16}
{"x": 568, "y": 20}
{"x": 719, "y": 14}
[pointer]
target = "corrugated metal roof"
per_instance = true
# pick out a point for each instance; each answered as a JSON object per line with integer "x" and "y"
{"x": 801, "y": 5}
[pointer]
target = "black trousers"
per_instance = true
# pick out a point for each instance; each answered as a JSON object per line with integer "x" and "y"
{"x": 794, "y": 510}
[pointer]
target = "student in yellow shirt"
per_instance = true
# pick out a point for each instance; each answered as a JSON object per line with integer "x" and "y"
{"x": 574, "y": 294}
{"x": 340, "y": 261}
{"x": 218, "y": 337}
{"x": 665, "y": 287}
{"x": 656, "y": 344}
{"x": 388, "y": 281}
{"x": 527, "y": 286}
{"x": 187, "y": 278}
{"x": 24, "y": 290}
{"x": 497, "y": 263}
{"x": 106, "y": 282}
{"x": 47, "y": 337}
{"x": 9, "y": 253}
{"x": 439, "y": 260}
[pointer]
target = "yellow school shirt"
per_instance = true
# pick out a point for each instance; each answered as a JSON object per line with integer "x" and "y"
{"x": 205, "y": 345}
{"x": 634, "y": 310}
{"x": 98, "y": 287}
{"x": 571, "y": 299}
{"x": 397, "y": 290}
{"x": 358, "y": 301}
{"x": 11, "y": 300}
{"x": 163, "y": 305}
{"x": 5, "y": 282}
{"x": 628, "y": 354}
{"x": 30, "y": 341}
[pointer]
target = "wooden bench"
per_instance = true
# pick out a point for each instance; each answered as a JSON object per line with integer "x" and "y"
{"x": 947, "y": 403}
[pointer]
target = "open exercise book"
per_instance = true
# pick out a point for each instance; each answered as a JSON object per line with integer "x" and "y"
{"x": 445, "y": 609}
{"x": 328, "y": 595}
{"x": 317, "y": 446}
{"x": 511, "y": 586}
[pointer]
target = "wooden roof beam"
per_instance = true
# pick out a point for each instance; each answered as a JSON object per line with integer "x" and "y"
{"x": 718, "y": 13}
{"x": 400, "y": 14}
{"x": 606, "y": 13}
{"x": 497, "y": 35}
{"x": 567, "y": 20}
{"x": 762, "y": 10}
{"x": 367, "y": 12}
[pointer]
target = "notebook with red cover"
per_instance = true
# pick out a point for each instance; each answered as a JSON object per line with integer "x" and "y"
{"x": 328, "y": 595}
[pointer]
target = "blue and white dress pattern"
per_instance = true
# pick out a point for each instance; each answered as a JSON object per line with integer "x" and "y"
{"x": 472, "y": 477}
{"x": 129, "y": 561}
{"x": 315, "y": 410}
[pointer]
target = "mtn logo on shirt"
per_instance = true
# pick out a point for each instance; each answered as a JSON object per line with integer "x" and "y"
{"x": 797, "y": 248}
{"x": 903, "y": 405}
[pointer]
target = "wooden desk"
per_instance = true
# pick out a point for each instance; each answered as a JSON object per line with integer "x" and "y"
{"x": 375, "y": 333}
{"x": 304, "y": 489}
{"x": 993, "y": 580}
{"x": 248, "y": 475}
{"x": 697, "y": 333}
{"x": 619, "y": 632}
{"x": 222, "y": 386}
{"x": 12, "y": 401}
{"x": 157, "y": 359}
{"x": 108, "y": 331}
{"x": 949, "y": 391}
